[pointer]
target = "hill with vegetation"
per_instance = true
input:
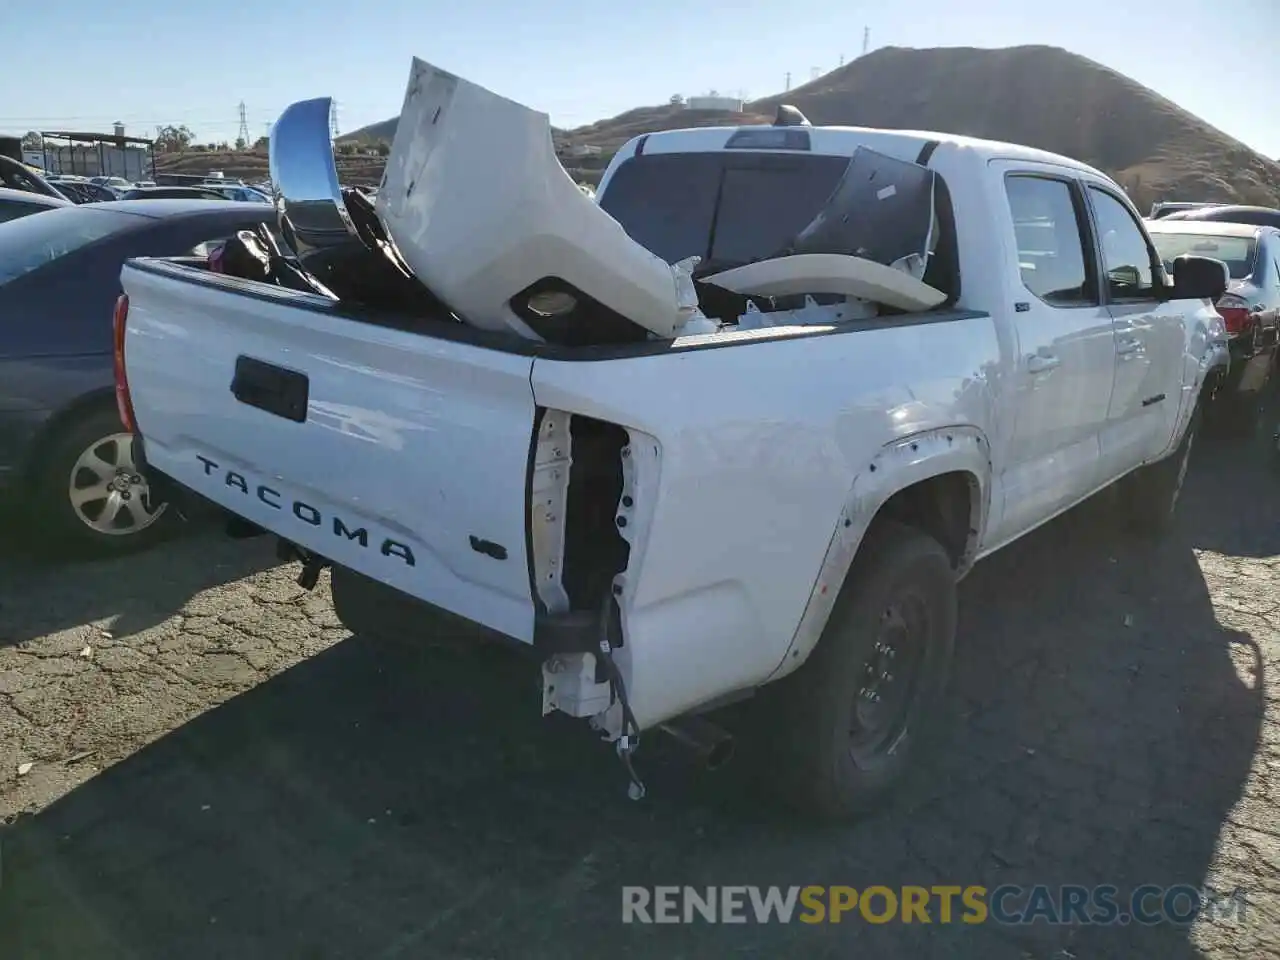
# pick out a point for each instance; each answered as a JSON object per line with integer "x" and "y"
{"x": 1048, "y": 98}
{"x": 1035, "y": 95}
{"x": 1039, "y": 96}
{"x": 252, "y": 166}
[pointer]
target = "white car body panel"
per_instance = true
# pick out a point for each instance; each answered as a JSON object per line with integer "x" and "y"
{"x": 818, "y": 273}
{"x": 734, "y": 563}
{"x": 480, "y": 208}
{"x": 390, "y": 416}
{"x": 757, "y": 457}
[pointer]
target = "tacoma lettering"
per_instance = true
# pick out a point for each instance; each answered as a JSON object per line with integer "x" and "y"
{"x": 306, "y": 512}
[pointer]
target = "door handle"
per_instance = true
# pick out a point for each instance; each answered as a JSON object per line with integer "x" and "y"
{"x": 272, "y": 389}
{"x": 1127, "y": 346}
{"x": 1042, "y": 362}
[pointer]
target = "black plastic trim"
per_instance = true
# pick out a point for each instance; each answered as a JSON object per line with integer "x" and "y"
{"x": 273, "y": 389}
{"x": 577, "y": 631}
{"x": 762, "y": 138}
{"x": 926, "y": 152}
{"x": 540, "y": 608}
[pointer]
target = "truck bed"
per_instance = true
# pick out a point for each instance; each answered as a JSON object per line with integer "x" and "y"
{"x": 417, "y": 453}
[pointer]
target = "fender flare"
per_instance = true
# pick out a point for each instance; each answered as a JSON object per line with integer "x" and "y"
{"x": 1216, "y": 357}
{"x": 900, "y": 464}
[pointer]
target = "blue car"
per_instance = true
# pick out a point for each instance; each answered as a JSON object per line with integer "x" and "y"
{"x": 64, "y": 455}
{"x": 21, "y": 203}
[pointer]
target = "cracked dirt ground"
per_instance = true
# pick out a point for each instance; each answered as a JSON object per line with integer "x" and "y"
{"x": 216, "y": 771}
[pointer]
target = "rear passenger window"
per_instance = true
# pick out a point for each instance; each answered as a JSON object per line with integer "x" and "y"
{"x": 1125, "y": 254}
{"x": 1051, "y": 248}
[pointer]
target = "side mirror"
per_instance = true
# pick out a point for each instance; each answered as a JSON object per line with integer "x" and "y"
{"x": 1199, "y": 278}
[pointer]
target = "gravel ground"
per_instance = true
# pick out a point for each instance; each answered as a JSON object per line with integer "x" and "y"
{"x": 214, "y": 772}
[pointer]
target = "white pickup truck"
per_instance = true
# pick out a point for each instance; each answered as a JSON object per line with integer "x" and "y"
{"x": 682, "y": 482}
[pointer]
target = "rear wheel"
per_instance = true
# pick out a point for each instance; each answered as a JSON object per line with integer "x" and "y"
{"x": 847, "y": 724}
{"x": 89, "y": 494}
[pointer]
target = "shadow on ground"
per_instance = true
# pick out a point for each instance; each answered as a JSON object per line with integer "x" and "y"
{"x": 1246, "y": 469}
{"x": 40, "y": 596}
{"x": 382, "y": 801}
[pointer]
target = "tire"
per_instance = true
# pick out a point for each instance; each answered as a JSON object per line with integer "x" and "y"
{"x": 900, "y": 592}
{"x": 90, "y": 455}
{"x": 1149, "y": 496}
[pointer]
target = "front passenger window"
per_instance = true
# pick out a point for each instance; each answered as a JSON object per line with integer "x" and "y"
{"x": 1125, "y": 254}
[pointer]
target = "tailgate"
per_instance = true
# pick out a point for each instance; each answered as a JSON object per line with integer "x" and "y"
{"x": 398, "y": 455}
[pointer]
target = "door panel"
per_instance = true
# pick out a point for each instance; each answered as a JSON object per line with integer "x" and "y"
{"x": 1149, "y": 339}
{"x": 1066, "y": 349}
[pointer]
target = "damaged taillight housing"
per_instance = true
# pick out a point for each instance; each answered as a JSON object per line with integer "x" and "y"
{"x": 124, "y": 403}
{"x": 1235, "y": 313}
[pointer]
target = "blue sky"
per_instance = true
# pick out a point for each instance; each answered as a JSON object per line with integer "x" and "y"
{"x": 150, "y": 63}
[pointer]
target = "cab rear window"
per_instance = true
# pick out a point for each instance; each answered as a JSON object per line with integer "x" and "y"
{"x": 733, "y": 208}
{"x": 723, "y": 208}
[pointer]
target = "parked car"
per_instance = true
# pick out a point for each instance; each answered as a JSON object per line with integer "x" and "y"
{"x": 1166, "y": 207}
{"x": 678, "y": 486}
{"x": 117, "y": 184}
{"x": 171, "y": 193}
{"x": 18, "y": 176}
{"x": 1250, "y": 308}
{"x": 61, "y": 442}
{"x": 1230, "y": 213}
{"x": 20, "y": 203}
{"x": 82, "y": 191}
{"x": 238, "y": 192}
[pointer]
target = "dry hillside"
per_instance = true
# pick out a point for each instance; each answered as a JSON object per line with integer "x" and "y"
{"x": 251, "y": 165}
{"x": 1039, "y": 96}
{"x": 1035, "y": 95}
{"x": 1048, "y": 98}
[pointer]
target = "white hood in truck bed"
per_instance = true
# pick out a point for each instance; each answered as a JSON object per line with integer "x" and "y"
{"x": 481, "y": 210}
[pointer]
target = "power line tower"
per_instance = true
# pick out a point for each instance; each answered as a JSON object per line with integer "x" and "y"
{"x": 866, "y": 39}
{"x": 333, "y": 118}
{"x": 814, "y": 73}
{"x": 788, "y": 79}
{"x": 243, "y": 134}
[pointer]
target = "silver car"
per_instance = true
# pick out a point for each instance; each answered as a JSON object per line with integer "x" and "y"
{"x": 1250, "y": 308}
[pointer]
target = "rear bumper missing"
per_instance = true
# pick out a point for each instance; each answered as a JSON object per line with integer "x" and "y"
{"x": 371, "y": 609}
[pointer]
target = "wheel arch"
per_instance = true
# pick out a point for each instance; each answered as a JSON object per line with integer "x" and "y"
{"x": 1208, "y": 372}
{"x": 938, "y": 481}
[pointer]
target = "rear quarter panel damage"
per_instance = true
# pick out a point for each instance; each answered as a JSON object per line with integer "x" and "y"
{"x": 757, "y": 449}
{"x": 960, "y": 449}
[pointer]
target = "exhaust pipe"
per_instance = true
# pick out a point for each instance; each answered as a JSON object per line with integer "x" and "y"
{"x": 712, "y": 745}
